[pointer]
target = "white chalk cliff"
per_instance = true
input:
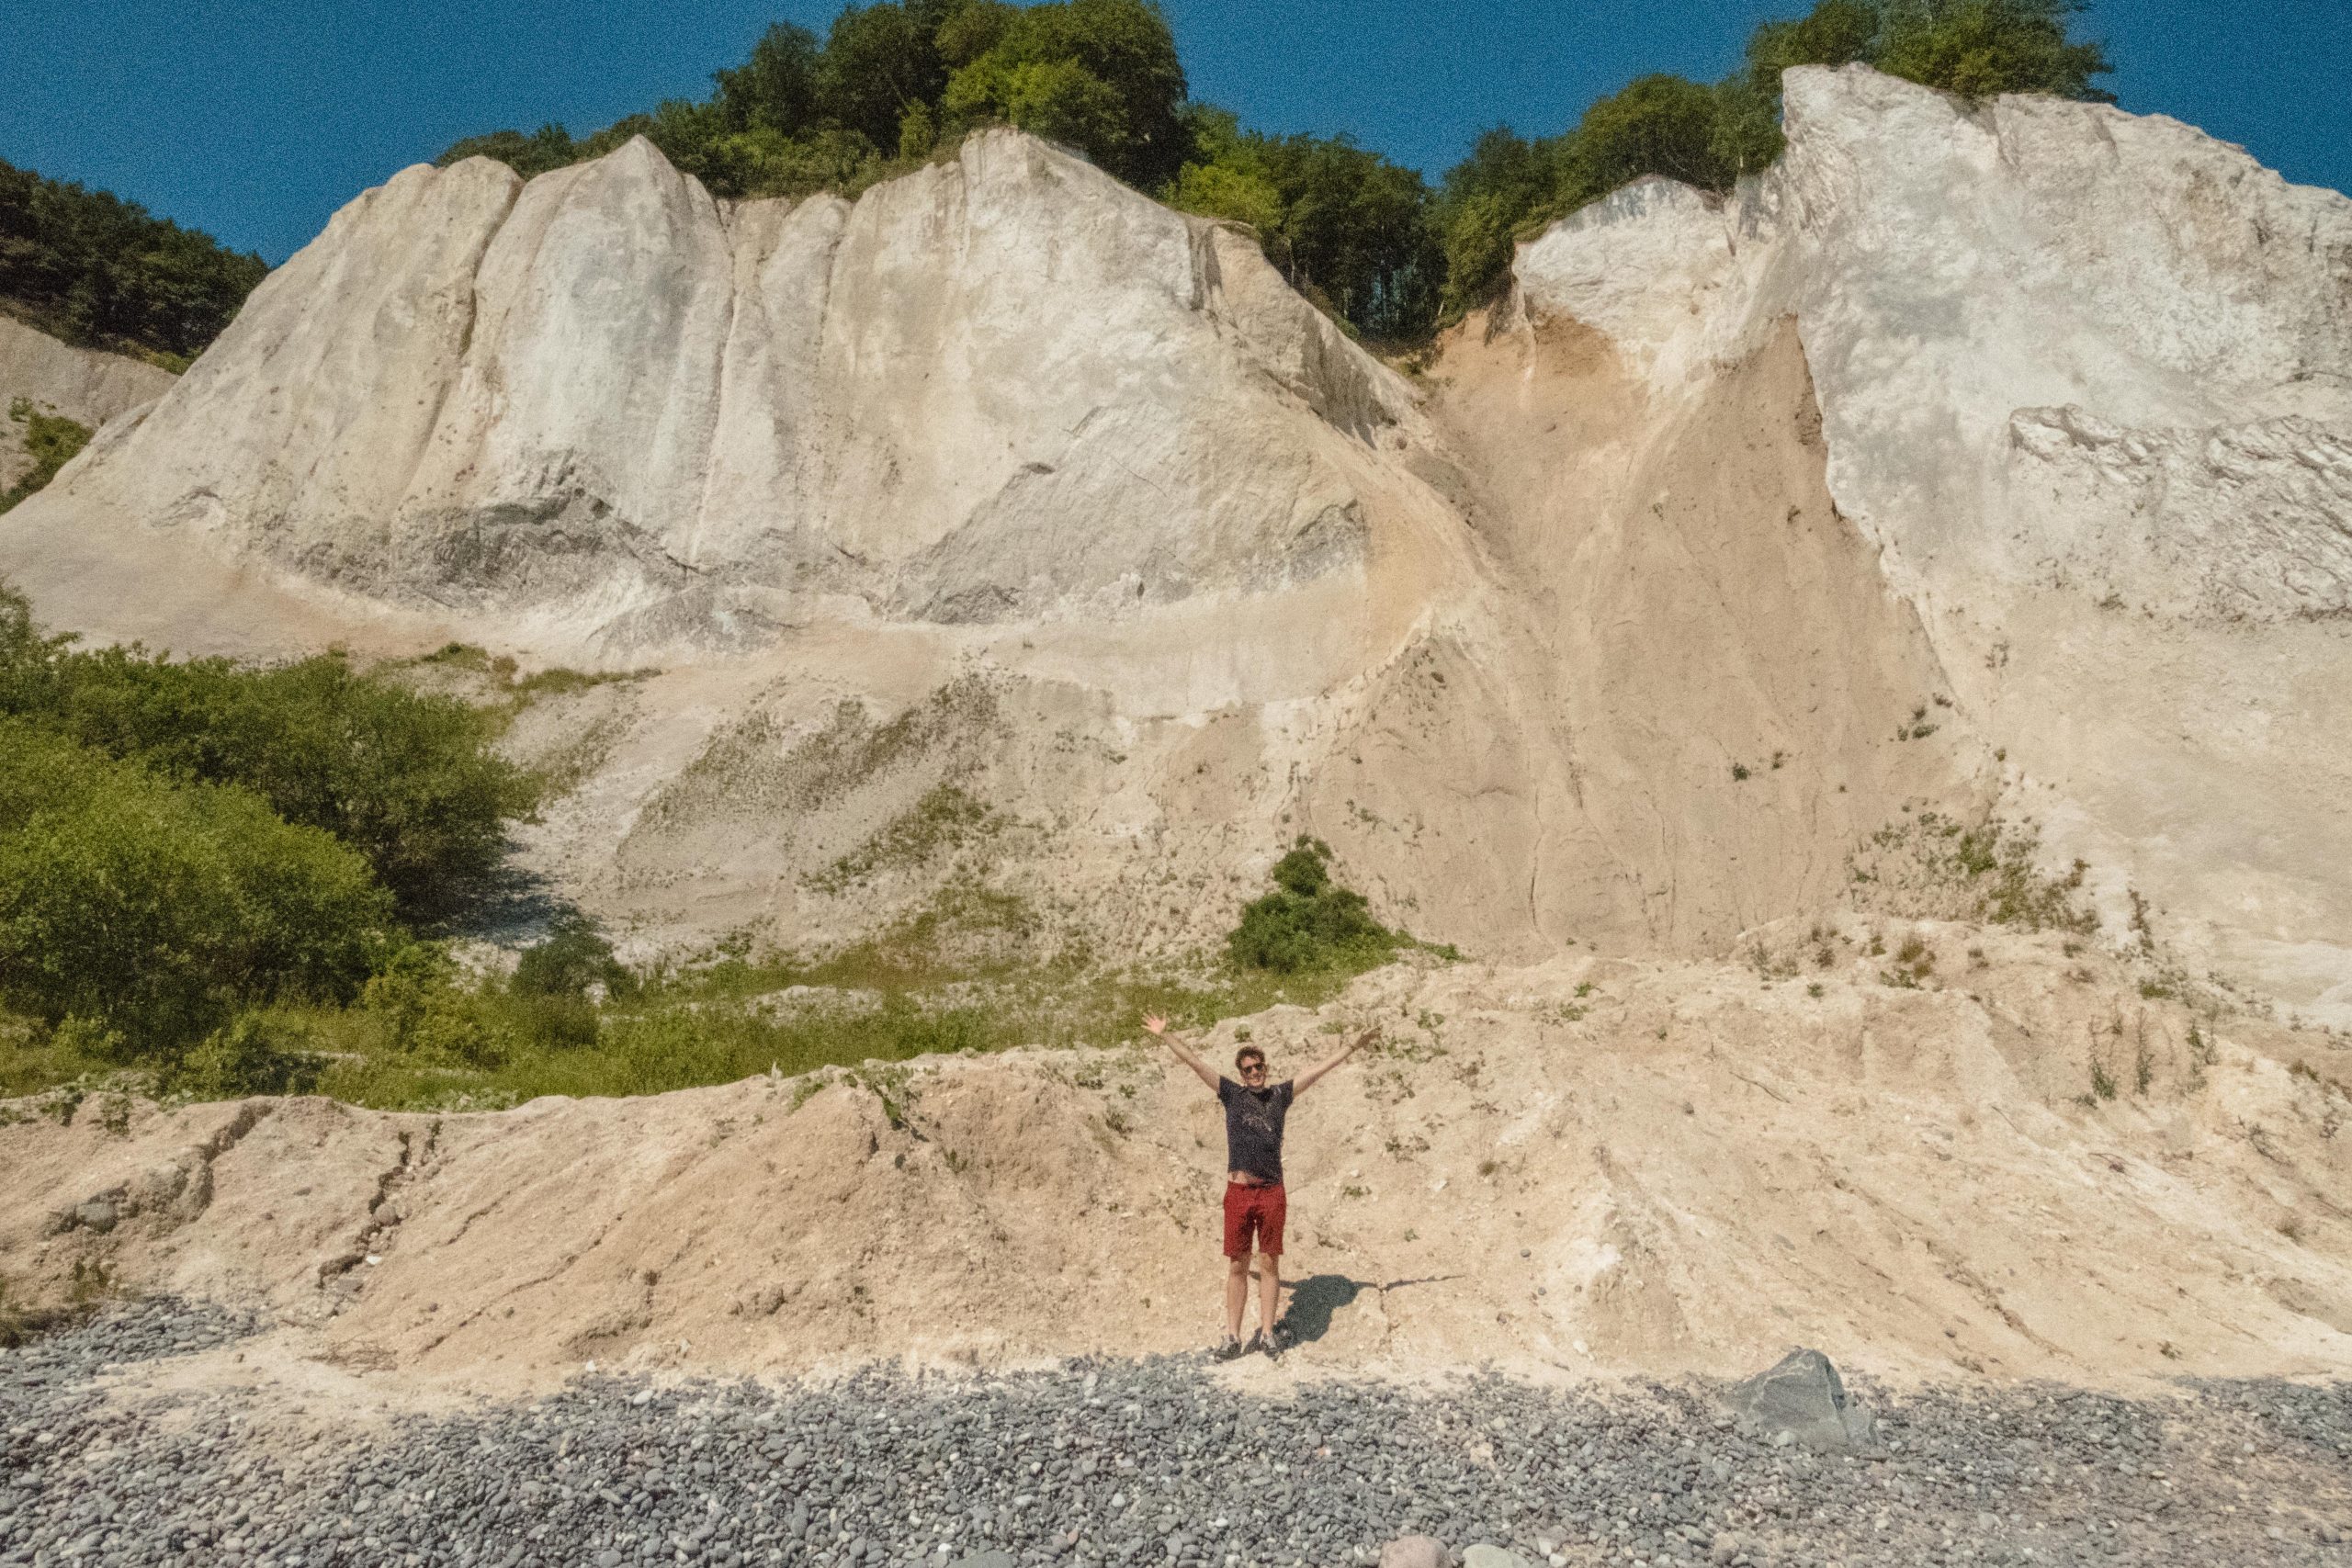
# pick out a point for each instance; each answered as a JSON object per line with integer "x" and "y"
{"x": 1610, "y": 629}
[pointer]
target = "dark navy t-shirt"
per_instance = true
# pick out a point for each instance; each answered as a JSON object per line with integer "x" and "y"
{"x": 1253, "y": 1127}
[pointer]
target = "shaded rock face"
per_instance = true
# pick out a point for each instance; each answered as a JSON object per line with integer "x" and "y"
{"x": 638, "y": 417}
{"x": 1802, "y": 1397}
{"x": 80, "y": 384}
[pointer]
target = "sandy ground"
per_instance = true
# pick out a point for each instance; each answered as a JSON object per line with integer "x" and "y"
{"x": 1590, "y": 1168}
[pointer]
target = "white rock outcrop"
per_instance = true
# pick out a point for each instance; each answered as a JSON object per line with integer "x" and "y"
{"x": 2085, "y": 382}
{"x": 618, "y": 415}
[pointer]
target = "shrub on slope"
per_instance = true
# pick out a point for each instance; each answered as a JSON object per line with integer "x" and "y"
{"x": 149, "y": 911}
{"x": 405, "y": 778}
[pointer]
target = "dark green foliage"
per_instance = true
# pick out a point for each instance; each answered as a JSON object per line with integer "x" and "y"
{"x": 573, "y": 956}
{"x": 549, "y": 147}
{"x": 879, "y": 61}
{"x": 776, "y": 89}
{"x": 1478, "y": 211}
{"x": 97, "y": 270}
{"x": 149, "y": 910}
{"x": 1345, "y": 226}
{"x": 1978, "y": 48}
{"x": 1309, "y": 922}
{"x": 1100, "y": 75}
{"x": 1711, "y": 136}
{"x": 1657, "y": 125}
{"x": 405, "y": 778}
{"x": 890, "y": 81}
{"x": 51, "y": 441}
{"x": 1835, "y": 32}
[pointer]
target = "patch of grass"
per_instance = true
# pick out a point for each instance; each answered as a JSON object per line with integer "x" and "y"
{"x": 424, "y": 1035}
{"x": 941, "y": 821}
{"x": 50, "y": 440}
{"x": 1933, "y": 864}
{"x": 1739, "y": 773}
{"x": 2102, "y": 1081}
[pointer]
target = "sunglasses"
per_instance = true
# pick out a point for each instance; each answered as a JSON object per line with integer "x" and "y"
{"x": 1255, "y": 1069}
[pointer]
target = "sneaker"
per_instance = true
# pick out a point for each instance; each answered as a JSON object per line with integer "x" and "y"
{"x": 1260, "y": 1345}
{"x": 1230, "y": 1352}
{"x": 1284, "y": 1337}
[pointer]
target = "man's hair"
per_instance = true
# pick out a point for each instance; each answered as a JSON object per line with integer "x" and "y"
{"x": 1247, "y": 1054}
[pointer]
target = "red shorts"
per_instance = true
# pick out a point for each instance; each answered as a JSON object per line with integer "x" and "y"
{"x": 1257, "y": 1210}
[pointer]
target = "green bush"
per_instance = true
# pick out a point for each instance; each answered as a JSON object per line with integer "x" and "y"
{"x": 252, "y": 1055}
{"x": 425, "y": 1011}
{"x": 573, "y": 956}
{"x": 406, "y": 778}
{"x": 152, "y": 910}
{"x": 1100, "y": 75}
{"x": 1978, "y": 48}
{"x": 1309, "y": 922}
{"x": 50, "y": 440}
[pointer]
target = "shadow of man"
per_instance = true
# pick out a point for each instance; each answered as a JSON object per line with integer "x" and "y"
{"x": 1314, "y": 1299}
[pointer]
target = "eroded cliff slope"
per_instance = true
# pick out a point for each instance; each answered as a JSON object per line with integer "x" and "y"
{"x": 1971, "y": 459}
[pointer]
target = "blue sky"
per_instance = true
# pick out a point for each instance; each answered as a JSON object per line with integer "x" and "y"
{"x": 256, "y": 120}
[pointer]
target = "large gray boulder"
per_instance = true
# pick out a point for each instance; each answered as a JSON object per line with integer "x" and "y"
{"x": 1802, "y": 1397}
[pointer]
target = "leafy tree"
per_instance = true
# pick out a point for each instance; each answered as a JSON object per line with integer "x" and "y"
{"x": 573, "y": 956}
{"x": 98, "y": 270}
{"x": 1479, "y": 209}
{"x": 1656, "y": 125}
{"x": 879, "y": 61}
{"x": 1978, "y": 48}
{"x": 152, "y": 910}
{"x": 1344, "y": 225}
{"x": 1102, "y": 74}
{"x": 776, "y": 89}
{"x": 549, "y": 147}
{"x": 1835, "y": 32}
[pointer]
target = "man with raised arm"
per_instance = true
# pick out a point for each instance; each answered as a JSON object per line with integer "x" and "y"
{"x": 1254, "y": 1201}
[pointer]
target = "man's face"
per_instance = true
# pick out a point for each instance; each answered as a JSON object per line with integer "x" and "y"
{"x": 1253, "y": 1073}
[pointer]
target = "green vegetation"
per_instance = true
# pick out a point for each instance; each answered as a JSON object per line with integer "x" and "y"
{"x": 1310, "y": 924}
{"x": 894, "y": 82}
{"x": 53, "y": 442}
{"x": 424, "y": 1034}
{"x": 96, "y": 270}
{"x": 182, "y": 843}
{"x": 145, "y": 911}
{"x": 898, "y": 82}
{"x": 404, "y": 778}
{"x": 1932, "y": 865}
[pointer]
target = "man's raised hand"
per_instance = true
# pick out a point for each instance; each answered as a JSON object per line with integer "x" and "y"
{"x": 1158, "y": 1025}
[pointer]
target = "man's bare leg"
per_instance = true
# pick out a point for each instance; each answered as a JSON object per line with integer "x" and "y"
{"x": 1269, "y": 1290}
{"x": 1237, "y": 1294}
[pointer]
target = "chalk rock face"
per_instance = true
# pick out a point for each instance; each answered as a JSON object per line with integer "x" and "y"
{"x": 614, "y": 413}
{"x": 80, "y": 384}
{"x": 2085, "y": 383}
